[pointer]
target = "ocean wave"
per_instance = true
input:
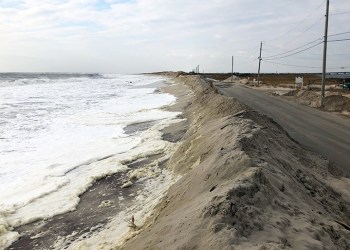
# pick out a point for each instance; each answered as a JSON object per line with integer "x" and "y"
{"x": 56, "y": 155}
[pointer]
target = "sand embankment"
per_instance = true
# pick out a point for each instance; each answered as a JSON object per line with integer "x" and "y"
{"x": 245, "y": 185}
{"x": 335, "y": 102}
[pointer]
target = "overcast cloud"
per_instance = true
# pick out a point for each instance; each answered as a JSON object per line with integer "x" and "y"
{"x": 124, "y": 36}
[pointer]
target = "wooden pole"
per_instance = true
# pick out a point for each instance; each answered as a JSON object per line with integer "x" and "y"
{"x": 324, "y": 67}
{"x": 259, "y": 63}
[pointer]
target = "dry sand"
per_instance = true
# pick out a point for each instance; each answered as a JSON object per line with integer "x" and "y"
{"x": 245, "y": 184}
{"x": 333, "y": 102}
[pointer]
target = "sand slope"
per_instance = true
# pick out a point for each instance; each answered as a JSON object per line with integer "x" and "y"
{"x": 245, "y": 185}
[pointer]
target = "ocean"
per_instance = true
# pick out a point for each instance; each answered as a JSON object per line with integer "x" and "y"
{"x": 59, "y": 133}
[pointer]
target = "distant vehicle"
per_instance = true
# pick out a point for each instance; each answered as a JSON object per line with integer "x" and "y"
{"x": 346, "y": 85}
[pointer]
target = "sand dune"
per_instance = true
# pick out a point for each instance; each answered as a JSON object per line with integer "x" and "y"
{"x": 245, "y": 185}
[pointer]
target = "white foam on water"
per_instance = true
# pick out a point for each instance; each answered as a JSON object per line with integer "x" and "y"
{"x": 157, "y": 182}
{"x": 6, "y": 235}
{"x": 57, "y": 136}
{"x": 117, "y": 230}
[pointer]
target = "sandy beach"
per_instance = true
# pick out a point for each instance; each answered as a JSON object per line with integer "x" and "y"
{"x": 239, "y": 182}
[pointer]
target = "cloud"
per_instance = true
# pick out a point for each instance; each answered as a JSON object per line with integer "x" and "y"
{"x": 152, "y": 35}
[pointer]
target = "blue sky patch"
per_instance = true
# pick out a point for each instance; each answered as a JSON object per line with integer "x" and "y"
{"x": 102, "y": 5}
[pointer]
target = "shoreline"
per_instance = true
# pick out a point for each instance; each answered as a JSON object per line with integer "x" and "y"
{"x": 105, "y": 197}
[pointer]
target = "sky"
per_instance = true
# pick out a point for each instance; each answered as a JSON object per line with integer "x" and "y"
{"x": 134, "y": 36}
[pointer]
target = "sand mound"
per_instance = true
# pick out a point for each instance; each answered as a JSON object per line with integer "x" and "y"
{"x": 231, "y": 79}
{"x": 246, "y": 185}
{"x": 293, "y": 92}
{"x": 170, "y": 73}
{"x": 336, "y": 103}
{"x": 308, "y": 95}
{"x": 332, "y": 103}
{"x": 303, "y": 94}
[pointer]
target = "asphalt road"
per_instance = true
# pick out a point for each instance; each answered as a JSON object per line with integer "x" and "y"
{"x": 321, "y": 132}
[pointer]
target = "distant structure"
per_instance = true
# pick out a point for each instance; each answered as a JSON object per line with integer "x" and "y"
{"x": 299, "y": 82}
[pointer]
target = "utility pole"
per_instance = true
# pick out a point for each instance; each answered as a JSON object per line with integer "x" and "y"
{"x": 259, "y": 63}
{"x": 232, "y": 69}
{"x": 198, "y": 69}
{"x": 325, "y": 41}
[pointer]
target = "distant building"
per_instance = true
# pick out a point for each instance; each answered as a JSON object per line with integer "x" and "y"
{"x": 299, "y": 81}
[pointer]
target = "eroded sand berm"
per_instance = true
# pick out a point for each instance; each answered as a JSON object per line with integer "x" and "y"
{"x": 246, "y": 185}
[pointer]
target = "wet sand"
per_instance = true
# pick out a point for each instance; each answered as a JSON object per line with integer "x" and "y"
{"x": 88, "y": 217}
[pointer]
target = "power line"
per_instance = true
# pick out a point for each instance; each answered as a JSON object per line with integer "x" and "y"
{"x": 275, "y": 58}
{"x": 301, "y": 66}
{"x": 298, "y": 52}
{"x": 304, "y": 58}
{"x": 309, "y": 28}
{"x": 307, "y": 17}
{"x": 286, "y": 54}
{"x": 304, "y": 31}
{"x": 338, "y": 34}
{"x": 339, "y": 54}
{"x": 289, "y": 51}
{"x": 296, "y": 26}
{"x": 308, "y": 46}
{"x": 339, "y": 40}
{"x": 292, "y": 65}
{"x": 340, "y": 13}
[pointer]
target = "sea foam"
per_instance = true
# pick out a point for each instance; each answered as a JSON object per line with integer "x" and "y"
{"x": 58, "y": 134}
